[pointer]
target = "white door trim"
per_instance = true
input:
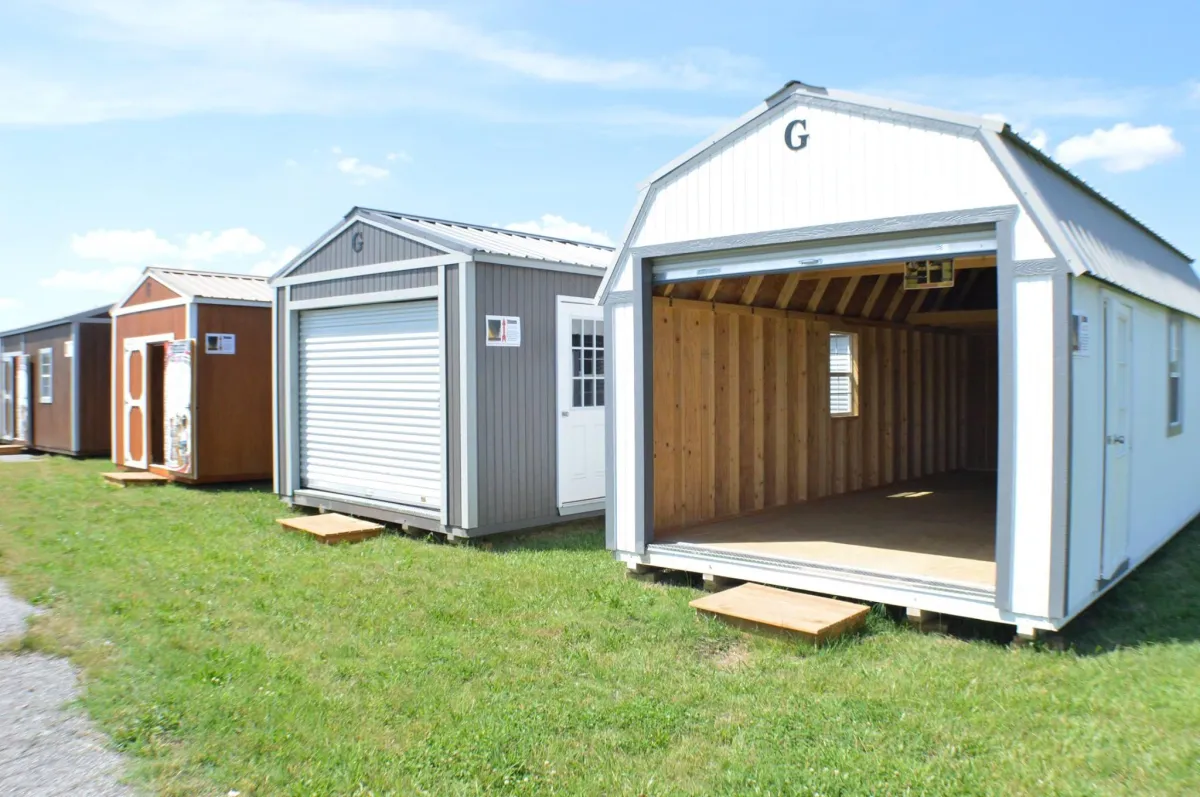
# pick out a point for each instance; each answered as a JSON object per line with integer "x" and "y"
{"x": 140, "y": 345}
{"x": 563, "y": 374}
{"x": 1118, "y": 443}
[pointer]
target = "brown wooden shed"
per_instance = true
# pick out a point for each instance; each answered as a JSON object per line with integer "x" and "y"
{"x": 192, "y": 377}
{"x": 55, "y": 385}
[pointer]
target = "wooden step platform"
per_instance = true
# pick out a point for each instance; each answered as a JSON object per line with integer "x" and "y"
{"x": 9, "y": 449}
{"x": 135, "y": 478}
{"x": 814, "y": 618}
{"x": 332, "y": 528}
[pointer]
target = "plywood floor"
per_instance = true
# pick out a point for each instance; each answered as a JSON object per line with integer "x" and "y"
{"x": 942, "y": 527}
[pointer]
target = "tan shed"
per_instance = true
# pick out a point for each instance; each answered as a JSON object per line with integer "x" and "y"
{"x": 192, "y": 377}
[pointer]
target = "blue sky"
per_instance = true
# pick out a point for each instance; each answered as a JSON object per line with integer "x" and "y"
{"x": 225, "y": 134}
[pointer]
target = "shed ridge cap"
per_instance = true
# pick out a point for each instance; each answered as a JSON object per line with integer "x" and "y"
{"x": 488, "y": 228}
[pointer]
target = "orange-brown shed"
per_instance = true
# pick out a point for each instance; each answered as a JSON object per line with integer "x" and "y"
{"x": 204, "y": 333}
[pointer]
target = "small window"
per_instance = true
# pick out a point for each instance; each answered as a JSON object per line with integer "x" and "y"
{"x": 843, "y": 374}
{"x": 46, "y": 376}
{"x": 1175, "y": 375}
{"x": 587, "y": 363}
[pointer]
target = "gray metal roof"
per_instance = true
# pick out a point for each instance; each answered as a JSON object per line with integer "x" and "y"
{"x": 98, "y": 312}
{"x": 213, "y": 284}
{"x": 475, "y": 238}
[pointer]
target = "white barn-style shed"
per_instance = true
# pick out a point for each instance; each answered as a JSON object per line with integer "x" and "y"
{"x": 899, "y": 355}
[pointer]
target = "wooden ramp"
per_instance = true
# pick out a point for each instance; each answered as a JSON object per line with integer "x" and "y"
{"x": 135, "y": 478}
{"x": 332, "y": 528}
{"x": 814, "y": 618}
{"x": 9, "y": 449}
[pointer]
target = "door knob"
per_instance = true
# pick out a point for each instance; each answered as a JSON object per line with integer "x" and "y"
{"x": 1116, "y": 439}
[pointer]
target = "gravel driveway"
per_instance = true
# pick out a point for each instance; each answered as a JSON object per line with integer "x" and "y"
{"x": 47, "y": 745}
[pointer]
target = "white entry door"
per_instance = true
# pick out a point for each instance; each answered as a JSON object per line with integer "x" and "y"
{"x": 1118, "y": 385}
{"x": 21, "y": 382}
{"x": 7, "y": 395}
{"x": 580, "y": 402}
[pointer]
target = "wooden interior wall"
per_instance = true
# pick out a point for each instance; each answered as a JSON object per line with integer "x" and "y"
{"x": 741, "y": 409}
{"x": 983, "y": 401}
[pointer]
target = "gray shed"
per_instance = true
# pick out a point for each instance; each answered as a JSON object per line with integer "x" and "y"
{"x": 440, "y": 375}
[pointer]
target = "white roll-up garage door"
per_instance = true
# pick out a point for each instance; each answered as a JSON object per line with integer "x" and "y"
{"x": 370, "y": 403}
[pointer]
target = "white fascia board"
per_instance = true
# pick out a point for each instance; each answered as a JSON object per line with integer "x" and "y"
{"x": 631, "y": 228}
{"x": 345, "y": 224}
{"x": 1031, "y": 201}
{"x": 233, "y": 302}
{"x": 416, "y": 233}
{"x": 117, "y": 312}
{"x": 381, "y": 297}
{"x": 375, "y": 268}
{"x": 546, "y": 265}
{"x": 116, "y": 308}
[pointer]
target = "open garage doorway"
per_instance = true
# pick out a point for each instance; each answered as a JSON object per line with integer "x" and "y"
{"x": 846, "y": 418}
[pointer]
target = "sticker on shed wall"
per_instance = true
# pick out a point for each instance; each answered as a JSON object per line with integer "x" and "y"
{"x": 1081, "y": 335}
{"x": 177, "y": 406}
{"x": 68, "y": 349}
{"x": 218, "y": 343}
{"x": 503, "y": 330}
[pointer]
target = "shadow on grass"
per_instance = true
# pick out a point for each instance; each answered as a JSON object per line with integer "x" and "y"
{"x": 1158, "y": 603}
{"x": 586, "y": 534}
{"x": 235, "y": 487}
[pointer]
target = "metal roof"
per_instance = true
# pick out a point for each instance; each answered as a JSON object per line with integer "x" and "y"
{"x": 1089, "y": 231}
{"x": 194, "y": 284}
{"x": 97, "y": 312}
{"x": 474, "y": 238}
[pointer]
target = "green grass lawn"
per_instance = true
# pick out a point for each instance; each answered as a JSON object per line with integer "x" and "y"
{"x": 224, "y": 654}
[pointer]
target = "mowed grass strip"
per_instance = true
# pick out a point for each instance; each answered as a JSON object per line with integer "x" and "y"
{"x": 224, "y": 654}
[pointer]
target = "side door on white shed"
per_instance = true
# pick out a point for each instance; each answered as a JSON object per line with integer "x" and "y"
{"x": 370, "y": 403}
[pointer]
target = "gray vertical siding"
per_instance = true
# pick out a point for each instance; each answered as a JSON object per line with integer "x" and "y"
{"x": 379, "y": 246}
{"x": 369, "y": 283}
{"x": 452, "y": 468}
{"x": 517, "y": 410}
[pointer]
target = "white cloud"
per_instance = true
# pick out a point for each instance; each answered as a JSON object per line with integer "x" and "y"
{"x": 558, "y": 227}
{"x": 401, "y": 156}
{"x": 122, "y": 246}
{"x": 1122, "y": 148}
{"x": 1037, "y": 137}
{"x": 276, "y": 261}
{"x": 7, "y": 303}
{"x": 235, "y": 241}
{"x": 291, "y": 163}
{"x": 144, "y": 246}
{"x": 361, "y": 172}
{"x": 303, "y": 56}
{"x": 108, "y": 281}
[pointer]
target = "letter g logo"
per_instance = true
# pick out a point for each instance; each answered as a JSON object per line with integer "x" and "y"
{"x": 796, "y": 140}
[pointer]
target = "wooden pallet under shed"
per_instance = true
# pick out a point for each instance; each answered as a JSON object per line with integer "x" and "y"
{"x": 135, "y": 478}
{"x": 331, "y": 528}
{"x": 814, "y": 618}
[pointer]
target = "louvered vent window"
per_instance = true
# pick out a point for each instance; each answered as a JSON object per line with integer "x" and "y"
{"x": 1175, "y": 374}
{"x": 843, "y": 375}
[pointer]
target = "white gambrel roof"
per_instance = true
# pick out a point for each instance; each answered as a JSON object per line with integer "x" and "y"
{"x": 1089, "y": 232}
{"x": 212, "y": 284}
{"x": 475, "y": 238}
